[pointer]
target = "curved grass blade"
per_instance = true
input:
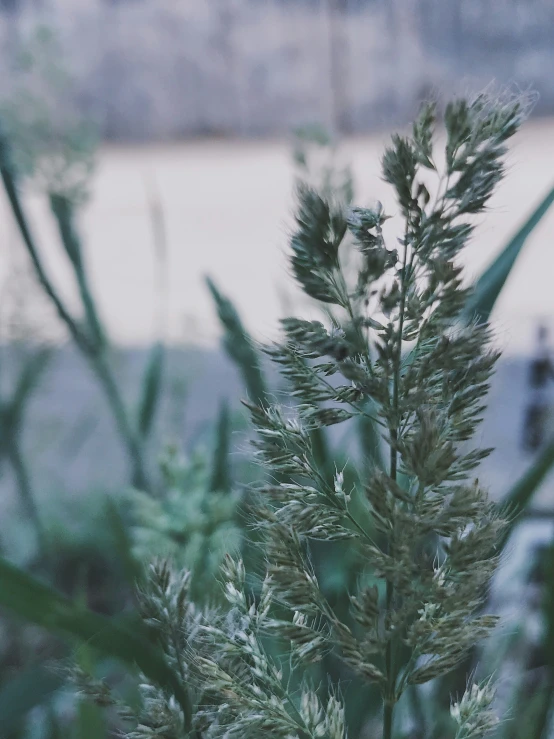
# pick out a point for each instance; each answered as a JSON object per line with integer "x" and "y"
{"x": 221, "y": 475}
{"x": 489, "y": 286}
{"x": 480, "y": 306}
{"x": 63, "y": 211}
{"x": 9, "y": 181}
{"x": 521, "y": 494}
{"x": 153, "y": 376}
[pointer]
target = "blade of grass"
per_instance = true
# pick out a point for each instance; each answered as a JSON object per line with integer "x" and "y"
{"x": 10, "y": 186}
{"x": 480, "y": 305}
{"x": 86, "y": 340}
{"x": 489, "y": 286}
{"x": 11, "y": 423}
{"x": 153, "y": 377}
{"x": 27, "y": 381}
{"x": 62, "y": 210}
{"x": 221, "y": 475}
{"x": 151, "y": 390}
{"x": 521, "y": 494}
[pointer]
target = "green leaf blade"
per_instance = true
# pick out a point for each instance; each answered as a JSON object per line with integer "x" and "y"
{"x": 151, "y": 389}
{"x": 240, "y": 346}
{"x": 489, "y": 286}
{"x": 221, "y": 475}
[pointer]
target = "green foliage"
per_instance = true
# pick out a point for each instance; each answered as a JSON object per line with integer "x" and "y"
{"x": 193, "y": 523}
{"x": 36, "y": 142}
{"x": 488, "y": 287}
{"x": 412, "y": 631}
{"x": 151, "y": 389}
{"x": 480, "y": 302}
{"x": 239, "y": 345}
{"x": 89, "y": 335}
{"x": 410, "y": 538}
{"x": 63, "y": 210}
{"x": 421, "y": 530}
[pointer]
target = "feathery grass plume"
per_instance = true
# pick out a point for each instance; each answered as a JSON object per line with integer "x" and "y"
{"x": 425, "y": 540}
{"x": 251, "y": 690}
{"x": 232, "y": 686}
{"x": 400, "y": 342}
{"x": 473, "y": 714}
{"x": 175, "y": 621}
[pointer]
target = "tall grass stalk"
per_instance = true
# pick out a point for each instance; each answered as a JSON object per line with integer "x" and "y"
{"x": 422, "y": 533}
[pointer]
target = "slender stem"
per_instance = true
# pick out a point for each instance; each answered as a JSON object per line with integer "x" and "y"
{"x": 390, "y": 697}
{"x": 329, "y": 494}
{"x": 23, "y": 480}
{"x": 387, "y": 719}
{"x": 63, "y": 212}
{"x": 96, "y": 353}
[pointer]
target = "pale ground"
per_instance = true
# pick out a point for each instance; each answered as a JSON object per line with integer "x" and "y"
{"x": 227, "y": 207}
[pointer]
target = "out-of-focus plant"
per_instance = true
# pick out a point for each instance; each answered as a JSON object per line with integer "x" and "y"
{"x": 40, "y": 142}
{"x": 53, "y": 143}
{"x": 196, "y": 521}
{"x": 318, "y": 162}
{"x": 12, "y": 417}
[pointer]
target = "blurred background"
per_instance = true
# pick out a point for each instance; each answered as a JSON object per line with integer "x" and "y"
{"x": 154, "y": 144}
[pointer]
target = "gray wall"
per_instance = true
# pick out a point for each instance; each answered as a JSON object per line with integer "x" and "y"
{"x": 172, "y": 68}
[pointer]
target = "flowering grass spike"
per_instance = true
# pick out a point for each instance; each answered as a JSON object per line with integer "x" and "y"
{"x": 397, "y": 350}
